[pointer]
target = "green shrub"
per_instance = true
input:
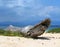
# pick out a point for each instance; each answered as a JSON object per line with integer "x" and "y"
{"x": 10, "y": 33}
{"x": 2, "y": 31}
{"x": 55, "y": 30}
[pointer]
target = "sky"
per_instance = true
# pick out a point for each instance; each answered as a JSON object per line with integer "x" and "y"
{"x": 29, "y": 11}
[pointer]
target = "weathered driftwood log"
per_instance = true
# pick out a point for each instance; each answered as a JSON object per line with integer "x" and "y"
{"x": 38, "y": 29}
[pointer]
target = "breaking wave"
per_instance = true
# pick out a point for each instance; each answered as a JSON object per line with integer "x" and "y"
{"x": 21, "y": 29}
{"x": 26, "y": 28}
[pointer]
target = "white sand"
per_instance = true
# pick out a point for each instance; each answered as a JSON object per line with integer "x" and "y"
{"x": 46, "y": 40}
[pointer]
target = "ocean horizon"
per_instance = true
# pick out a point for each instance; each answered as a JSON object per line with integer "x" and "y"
{"x": 50, "y": 27}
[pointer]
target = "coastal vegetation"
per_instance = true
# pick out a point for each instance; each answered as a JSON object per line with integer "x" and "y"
{"x": 10, "y": 33}
{"x": 18, "y": 33}
{"x": 55, "y": 30}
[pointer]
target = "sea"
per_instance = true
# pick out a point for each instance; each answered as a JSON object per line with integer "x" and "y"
{"x": 50, "y": 27}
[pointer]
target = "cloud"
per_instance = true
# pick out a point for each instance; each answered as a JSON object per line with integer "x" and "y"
{"x": 42, "y": 11}
{"x": 25, "y": 9}
{"x": 47, "y": 10}
{"x": 34, "y": 7}
{"x": 10, "y": 3}
{"x": 13, "y": 3}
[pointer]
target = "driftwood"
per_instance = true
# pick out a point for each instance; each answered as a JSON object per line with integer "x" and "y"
{"x": 38, "y": 29}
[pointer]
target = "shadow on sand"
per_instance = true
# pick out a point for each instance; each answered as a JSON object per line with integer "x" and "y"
{"x": 42, "y": 38}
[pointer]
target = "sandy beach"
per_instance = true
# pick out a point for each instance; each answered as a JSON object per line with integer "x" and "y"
{"x": 45, "y": 40}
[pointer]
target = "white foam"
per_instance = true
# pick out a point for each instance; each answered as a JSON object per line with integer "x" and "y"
{"x": 25, "y": 29}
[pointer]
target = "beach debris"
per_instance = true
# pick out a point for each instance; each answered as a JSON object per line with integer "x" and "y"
{"x": 38, "y": 29}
